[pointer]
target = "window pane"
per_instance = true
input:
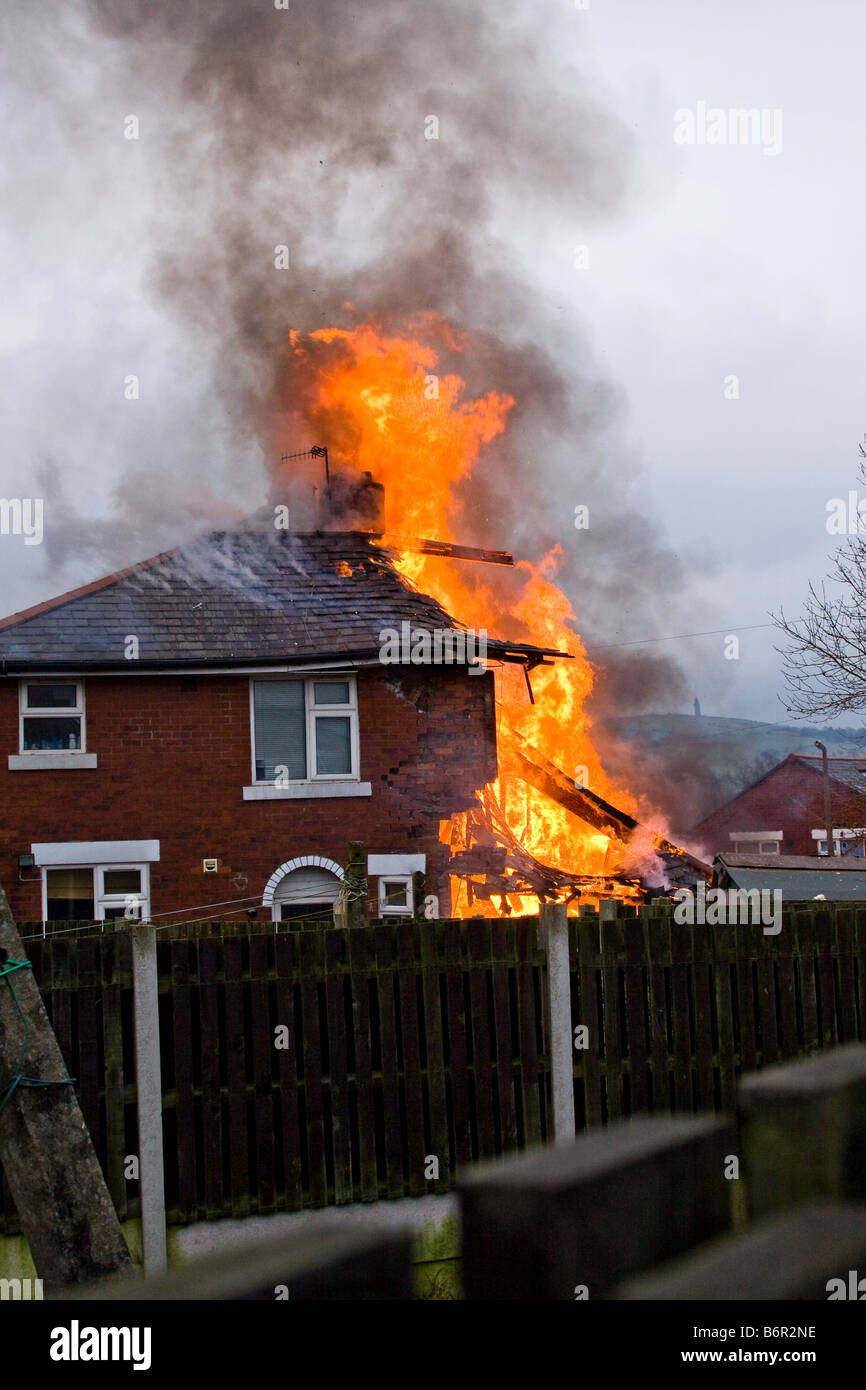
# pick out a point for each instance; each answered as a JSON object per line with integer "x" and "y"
{"x": 307, "y": 914}
{"x": 70, "y": 895}
{"x": 47, "y": 734}
{"x": 121, "y": 881}
{"x": 331, "y": 692}
{"x": 52, "y": 696}
{"x": 333, "y": 746}
{"x": 395, "y": 894}
{"x": 281, "y": 734}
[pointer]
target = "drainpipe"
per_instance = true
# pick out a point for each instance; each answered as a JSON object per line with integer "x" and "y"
{"x": 828, "y": 820}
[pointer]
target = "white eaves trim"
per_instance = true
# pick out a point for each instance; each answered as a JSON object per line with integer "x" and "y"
{"x": 86, "y": 852}
{"x": 755, "y": 835}
{"x": 396, "y": 863}
{"x": 302, "y": 791}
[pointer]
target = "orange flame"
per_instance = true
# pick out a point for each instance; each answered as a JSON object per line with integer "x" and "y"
{"x": 376, "y": 399}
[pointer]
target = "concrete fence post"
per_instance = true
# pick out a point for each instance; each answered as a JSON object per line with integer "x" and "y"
{"x": 553, "y": 921}
{"x": 148, "y": 1080}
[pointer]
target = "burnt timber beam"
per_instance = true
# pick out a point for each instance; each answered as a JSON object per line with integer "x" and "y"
{"x": 540, "y": 773}
{"x": 546, "y": 777}
{"x": 448, "y": 551}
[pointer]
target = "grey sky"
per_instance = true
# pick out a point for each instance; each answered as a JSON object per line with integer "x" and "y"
{"x": 715, "y": 261}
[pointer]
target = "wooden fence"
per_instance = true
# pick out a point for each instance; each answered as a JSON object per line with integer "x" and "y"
{"x": 404, "y": 1045}
{"x": 414, "y": 1042}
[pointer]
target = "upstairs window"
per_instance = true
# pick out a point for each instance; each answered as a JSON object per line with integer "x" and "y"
{"x": 305, "y": 730}
{"x": 52, "y": 717}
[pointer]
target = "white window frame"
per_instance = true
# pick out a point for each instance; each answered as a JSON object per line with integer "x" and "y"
{"x": 101, "y": 899}
{"x": 820, "y": 838}
{"x": 387, "y": 909}
{"x": 313, "y": 712}
{"x": 756, "y": 841}
{"x": 37, "y": 712}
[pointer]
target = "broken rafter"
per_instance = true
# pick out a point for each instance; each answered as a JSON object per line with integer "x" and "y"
{"x": 536, "y": 769}
{"x": 508, "y": 868}
{"x": 533, "y": 767}
{"x": 447, "y": 550}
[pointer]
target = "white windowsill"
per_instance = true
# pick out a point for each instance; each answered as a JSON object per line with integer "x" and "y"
{"x": 304, "y": 790}
{"x": 43, "y": 762}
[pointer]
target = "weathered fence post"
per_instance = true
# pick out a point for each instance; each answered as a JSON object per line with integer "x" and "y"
{"x": 553, "y": 922}
{"x": 356, "y": 886}
{"x": 49, "y": 1160}
{"x": 148, "y": 1080}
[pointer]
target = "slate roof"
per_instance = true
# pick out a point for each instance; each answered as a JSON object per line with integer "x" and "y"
{"x": 851, "y": 771}
{"x": 231, "y": 598}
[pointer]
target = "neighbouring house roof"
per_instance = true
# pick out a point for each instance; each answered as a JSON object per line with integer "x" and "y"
{"x": 851, "y": 771}
{"x": 799, "y": 876}
{"x": 848, "y": 770}
{"x": 232, "y": 598}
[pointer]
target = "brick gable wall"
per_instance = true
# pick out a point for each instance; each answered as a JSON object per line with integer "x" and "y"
{"x": 790, "y": 799}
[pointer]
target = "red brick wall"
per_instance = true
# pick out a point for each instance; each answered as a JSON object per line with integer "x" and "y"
{"x": 790, "y": 799}
{"x": 173, "y": 763}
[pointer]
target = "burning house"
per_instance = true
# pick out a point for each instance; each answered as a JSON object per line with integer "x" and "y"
{"x": 206, "y": 732}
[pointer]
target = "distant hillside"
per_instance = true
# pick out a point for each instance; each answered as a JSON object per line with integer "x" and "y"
{"x": 691, "y": 764}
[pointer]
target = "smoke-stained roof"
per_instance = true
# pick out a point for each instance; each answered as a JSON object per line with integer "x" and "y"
{"x": 230, "y": 598}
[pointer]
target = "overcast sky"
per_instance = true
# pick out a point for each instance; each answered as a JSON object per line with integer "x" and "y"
{"x": 719, "y": 261}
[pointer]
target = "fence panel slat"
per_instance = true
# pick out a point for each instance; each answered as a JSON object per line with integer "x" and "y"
{"x": 182, "y": 968}
{"x": 113, "y": 950}
{"x": 311, "y": 962}
{"x": 212, "y": 1049}
{"x": 432, "y": 941}
{"x": 724, "y": 945}
{"x": 768, "y": 1014}
{"x": 847, "y": 1005}
{"x": 589, "y": 975}
{"x": 806, "y": 948}
{"x": 611, "y": 954}
{"x": 362, "y": 947}
{"x": 503, "y": 936}
{"x": 826, "y": 978}
{"x": 88, "y": 1034}
{"x": 636, "y": 1003}
{"x": 479, "y": 965}
{"x": 264, "y": 1064}
{"x": 413, "y": 1099}
{"x": 657, "y": 944}
{"x": 456, "y": 946}
{"x": 236, "y": 1057}
{"x": 285, "y": 948}
{"x": 747, "y": 1002}
{"x": 386, "y": 984}
{"x": 783, "y": 946}
{"x": 338, "y": 1076}
{"x": 681, "y": 960}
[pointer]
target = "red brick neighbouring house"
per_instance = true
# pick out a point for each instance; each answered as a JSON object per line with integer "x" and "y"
{"x": 207, "y": 731}
{"x": 783, "y": 812}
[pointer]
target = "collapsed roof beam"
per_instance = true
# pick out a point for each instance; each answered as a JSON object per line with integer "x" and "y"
{"x": 448, "y": 551}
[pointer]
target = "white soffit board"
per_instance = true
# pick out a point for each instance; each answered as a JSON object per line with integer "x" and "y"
{"x": 96, "y": 852}
{"x": 396, "y": 863}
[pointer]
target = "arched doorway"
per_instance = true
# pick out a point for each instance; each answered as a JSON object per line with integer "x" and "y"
{"x": 304, "y": 890}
